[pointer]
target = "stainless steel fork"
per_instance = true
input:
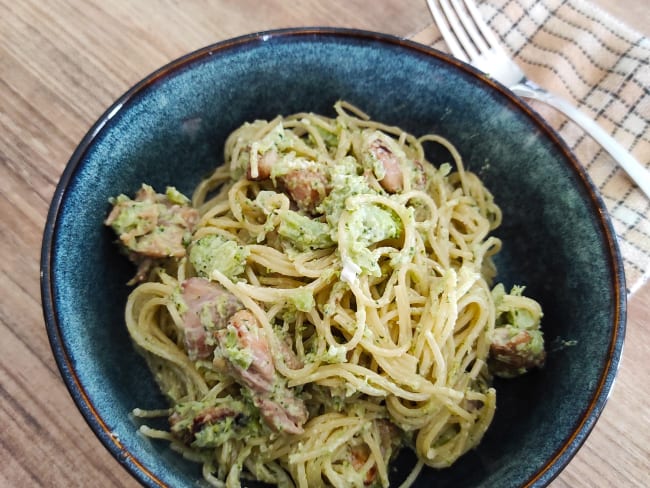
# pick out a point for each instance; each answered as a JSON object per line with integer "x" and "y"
{"x": 470, "y": 39}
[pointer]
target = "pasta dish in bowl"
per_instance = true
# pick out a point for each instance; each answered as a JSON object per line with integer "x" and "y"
{"x": 330, "y": 303}
{"x": 308, "y": 295}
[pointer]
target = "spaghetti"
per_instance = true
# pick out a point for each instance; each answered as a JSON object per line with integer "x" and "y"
{"x": 324, "y": 300}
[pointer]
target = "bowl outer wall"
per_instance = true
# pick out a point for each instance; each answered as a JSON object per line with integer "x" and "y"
{"x": 558, "y": 240}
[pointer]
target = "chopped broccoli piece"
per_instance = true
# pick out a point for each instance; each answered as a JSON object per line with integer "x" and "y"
{"x": 302, "y": 299}
{"x": 303, "y": 232}
{"x": 174, "y": 196}
{"x": 214, "y": 252}
{"x": 232, "y": 350}
{"x": 345, "y": 183}
{"x": 517, "y": 342}
{"x": 510, "y": 311}
{"x": 368, "y": 225}
{"x": 153, "y": 225}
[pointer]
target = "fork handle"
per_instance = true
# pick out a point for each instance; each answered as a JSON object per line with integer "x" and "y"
{"x": 632, "y": 167}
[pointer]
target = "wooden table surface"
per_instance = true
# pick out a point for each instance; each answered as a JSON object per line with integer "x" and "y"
{"x": 62, "y": 63}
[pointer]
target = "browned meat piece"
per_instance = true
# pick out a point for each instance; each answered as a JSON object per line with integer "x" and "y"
{"x": 359, "y": 454}
{"x": 258, "y": 373}
{"x": 211, "y": 415}
{"x": 250, "y": 362}
{"x": 306, "y": 187}
{"x": 393, "y": 180}
{"x": 419, "y": 177}
{"x": 288, "y": 414}
{"x": 265, "y": 163}
{"x": 152, "y": 227}
{"x": 289, "y": 357}
{"x": 245, "y": 346}
{"x": 389, "y": 434}
{"x": 389, "y": 442}
{"x": 208, "y": 308}
{"x": 145, "y": 265}
{"x": 208, "y": 416}
{"x": 513, "y": 351}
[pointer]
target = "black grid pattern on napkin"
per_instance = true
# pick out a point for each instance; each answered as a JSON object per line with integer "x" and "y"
{"x": 574, "y": 49}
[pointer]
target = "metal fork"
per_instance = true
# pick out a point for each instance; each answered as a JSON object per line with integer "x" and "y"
{"x": 470, "y": 39}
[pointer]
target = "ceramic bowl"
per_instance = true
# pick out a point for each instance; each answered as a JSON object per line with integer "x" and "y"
{"x": 170, "y": 129}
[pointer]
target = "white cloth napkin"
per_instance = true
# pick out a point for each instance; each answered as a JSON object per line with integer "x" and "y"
{"x": 576, "y": 50}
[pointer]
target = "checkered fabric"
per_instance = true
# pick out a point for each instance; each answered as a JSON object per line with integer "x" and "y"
{"x": 575, "y": 50}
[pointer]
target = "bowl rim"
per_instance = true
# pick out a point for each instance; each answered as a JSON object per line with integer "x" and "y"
{"x": 551, "y": 468}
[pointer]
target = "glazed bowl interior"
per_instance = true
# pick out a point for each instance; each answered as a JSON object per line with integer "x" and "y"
{"x": 170, "y": 129}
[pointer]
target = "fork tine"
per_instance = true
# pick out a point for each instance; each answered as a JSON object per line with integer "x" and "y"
{"x": 450, "y": 37}
{"x": 457, "y": 20}
{"x": 473, "y": 24}
{"x": 488, "y": 35}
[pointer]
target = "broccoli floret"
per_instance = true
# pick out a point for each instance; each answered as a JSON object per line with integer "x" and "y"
{"x": 174, "y": 196}
{"x": 368, "y": 225}
{"x": 214, "y": 252}
{"x": 303, "y": 232}
{"x": 517, "y": 342}
{"x": 232, "y": 350}
{"x": 153, "y": 225}
{"x": 302, "y": 299}
{"x": 345, "y": 183}
{"x": 515, "y": 309}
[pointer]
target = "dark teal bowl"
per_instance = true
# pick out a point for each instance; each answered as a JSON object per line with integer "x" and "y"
{"x": 170, "y": 129}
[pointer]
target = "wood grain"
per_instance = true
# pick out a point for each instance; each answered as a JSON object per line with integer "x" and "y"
{"x": 61, "y": 64}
